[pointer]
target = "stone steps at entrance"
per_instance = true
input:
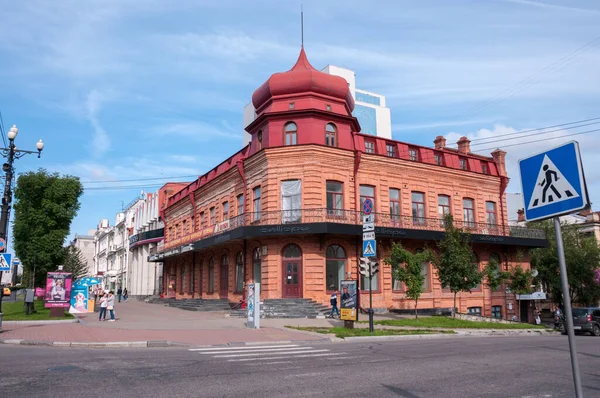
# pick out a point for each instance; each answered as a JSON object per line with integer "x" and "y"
{"x": 207, "y": 305}
{"x": 288, "y": 308}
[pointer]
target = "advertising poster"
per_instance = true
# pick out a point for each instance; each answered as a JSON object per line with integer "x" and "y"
{"x": 349, "y": 302}
{"x": 58, "y": 290}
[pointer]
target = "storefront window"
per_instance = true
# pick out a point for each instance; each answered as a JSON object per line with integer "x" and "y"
{"x": 239, "y": 273}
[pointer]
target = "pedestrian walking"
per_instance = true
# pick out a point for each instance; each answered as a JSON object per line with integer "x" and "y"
{"x": 536, "y": 316}
{"x": 103, "y": 306}
{"x": 333, "y": 301}
{"x": 111, "y": 305}
{"x": 125, "y": 294}
{"x": 119, "y": 293}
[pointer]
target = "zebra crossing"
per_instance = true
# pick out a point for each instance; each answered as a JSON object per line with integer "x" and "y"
{"x": 269, "y": 354}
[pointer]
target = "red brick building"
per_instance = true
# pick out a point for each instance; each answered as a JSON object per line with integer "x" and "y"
{"x": 284, "y": 210}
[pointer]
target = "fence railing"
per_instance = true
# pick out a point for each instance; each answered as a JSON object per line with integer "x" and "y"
{"x": 341, "y": 216}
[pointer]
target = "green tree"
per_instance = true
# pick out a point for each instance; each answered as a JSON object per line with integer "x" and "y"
{"x": 45, "y": 205}
{"x": 75, "y": 263}
{"x": 494, "y": 276}
{"x": 520, "y": 280}
{"x": 455, "y": 266}
{"x": 582, "y": 256}
{"x": 407, "y": 267}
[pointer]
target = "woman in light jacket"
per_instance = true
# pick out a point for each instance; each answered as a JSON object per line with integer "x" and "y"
{"x": 111, "y": 305}
{"x": 103, "y": 305}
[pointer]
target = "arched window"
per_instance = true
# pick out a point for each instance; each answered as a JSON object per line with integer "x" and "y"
{"x": 330, "y": 135}
{"x": 475, "y": 261}
{"x": 335, "y": 267}
{"x": 291, "y": 131}
{"x": 256, "y": 265}
{"x": 292, "y": 251}
{"x": 259, "y": 139}
{"x": 224, "y": 276}
{"x": 239, "y": 273}
{"x": 211, "y": 275}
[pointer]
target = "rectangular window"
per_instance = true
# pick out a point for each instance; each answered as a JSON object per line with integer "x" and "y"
{"x": 202, "y": 220}
{"x": 256, "y": 203}
{"x": 193, "y": 222}
{"x": 330, "y": 138}
{"x": 484, "y": 168}
{"x": 185, "y": 227}
{"x": 391, "y": 150}
{"x": 396, "y": 284}
{"x": 211, "y": 276}
{"x": 490, "y": 213}
{"x": 176, "y": 231}
{"x": 225, "y": 211}
{"x": 369, "y": 147}
{"x": 413, "y": 154}
{"x": 395, "y": 205}
{"x": 469, "y": 212}
{"x": 240, "y": 204}
{"x": 335, "y": 198}
{"x": 474, "y": 311}
{"x": 418, "y": 208}
{"x": 463, "y": 163}
{"x": 439, "y": 160}
{"x": 364, "y": 282}
{"x": 328, "y": 107}
{"x": 292, "y": 105}
{"x": 239, "y": 276}
{"x": 425, "y": 273}
{"x": 497, "y": 311}
{"x": 443, "y": 206}
{"x": 213, "y": 216}
{"x": 291, "y": 200}
{"x": 367, "y": 192}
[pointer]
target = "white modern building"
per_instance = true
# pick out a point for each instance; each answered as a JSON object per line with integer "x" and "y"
{"x": 144, "y": 278}
{"x": 85, "y": 244}
{"x": 370, "y": 109}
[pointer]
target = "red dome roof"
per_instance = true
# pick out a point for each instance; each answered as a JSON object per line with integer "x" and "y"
{"x": 300, "y": 79}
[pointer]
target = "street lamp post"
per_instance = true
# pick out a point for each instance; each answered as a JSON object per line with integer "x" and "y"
{"x": 11, "y": 154}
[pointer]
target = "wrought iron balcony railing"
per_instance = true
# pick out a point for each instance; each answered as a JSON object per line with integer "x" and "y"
{"x": 305, "y": 216}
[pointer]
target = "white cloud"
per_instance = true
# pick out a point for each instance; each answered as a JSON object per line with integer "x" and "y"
{"x": 197, "y": 130}
{"x": 100, "y": 139}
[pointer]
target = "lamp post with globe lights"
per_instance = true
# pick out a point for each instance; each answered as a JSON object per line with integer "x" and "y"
{"x": 11, "y": 154}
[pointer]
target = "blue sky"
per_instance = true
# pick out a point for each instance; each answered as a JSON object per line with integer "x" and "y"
{"x": 139, "y": 89}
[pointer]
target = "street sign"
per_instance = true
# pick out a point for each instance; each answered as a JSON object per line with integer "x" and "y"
{"x": 370, "y": 218}
{"x": 2, "y": 245}
{"x": 369, "y": 248}
{"x": 368, "y": 227}
{"x": 369, "y": 235}
{"x": 367, "y": 206}
{"x": 5, "y": 261}
{"x": 553, "y": 183}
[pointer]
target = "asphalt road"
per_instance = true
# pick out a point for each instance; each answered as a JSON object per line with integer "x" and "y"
{"x": 457, "y": 367}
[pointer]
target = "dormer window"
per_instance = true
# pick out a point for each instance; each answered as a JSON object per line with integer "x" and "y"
{"x": 291, "y": 131}
{"x": 330, "y": 135}
{"x": 463, "y": 163}
{"x": 328, "y": 107}
{"x": 391, "y": 150}
{"x": 413, "y": 154}
{"x": 439, "y": 160}
{"x": 369, "y": 147}
{"x": 259, "y": 140}
{"x": 484, "y": 168}
{"x": 292, "y": 105}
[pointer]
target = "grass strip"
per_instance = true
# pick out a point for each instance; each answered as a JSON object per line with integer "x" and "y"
{"x": 450, "y": 323}
{"x": 15, "y": 311}
{"x": 343, "y": 332}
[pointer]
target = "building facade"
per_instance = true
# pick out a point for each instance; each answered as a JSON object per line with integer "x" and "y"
{"x": 85, "y": 244}
{"x": 284, "y": 211}
{"x": 370, "y": 109}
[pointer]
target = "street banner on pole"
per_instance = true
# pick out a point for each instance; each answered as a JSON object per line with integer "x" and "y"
{"x": 553, "y": 184}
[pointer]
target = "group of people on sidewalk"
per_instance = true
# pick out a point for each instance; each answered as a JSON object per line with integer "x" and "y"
{"x": 107, "y": 302}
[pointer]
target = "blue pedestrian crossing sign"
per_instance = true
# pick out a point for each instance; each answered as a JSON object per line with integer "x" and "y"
{"x": 5, "y": 259}
{"x": 553, "y": 183}
{"x": 369, "y": 248}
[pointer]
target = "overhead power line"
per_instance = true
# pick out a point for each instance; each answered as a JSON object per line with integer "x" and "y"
{"x": 544, "y": 139}
{"x": 141, "y": 179}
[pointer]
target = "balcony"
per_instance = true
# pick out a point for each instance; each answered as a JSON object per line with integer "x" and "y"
{"x": 349, "y": 222}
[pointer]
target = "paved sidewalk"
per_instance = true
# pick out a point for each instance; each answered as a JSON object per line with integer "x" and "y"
{"x": 140, "y": 321}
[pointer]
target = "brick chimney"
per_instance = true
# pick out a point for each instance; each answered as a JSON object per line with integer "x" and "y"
{"x": 521, "y": 215}
{"x": 439, "y": 142}
{"x": 500, "y": 159}
{"x": 464, "y": 145}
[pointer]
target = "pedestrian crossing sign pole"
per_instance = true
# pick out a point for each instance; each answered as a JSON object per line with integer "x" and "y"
{"x": 553, "y": 184}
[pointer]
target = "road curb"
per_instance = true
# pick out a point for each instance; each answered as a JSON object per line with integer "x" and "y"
{"x": 33, "y": 323}
{"x": 108, "y": 344}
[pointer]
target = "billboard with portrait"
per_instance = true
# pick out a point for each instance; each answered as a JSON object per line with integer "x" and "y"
{"x": 349, "y": 301}
{"x": 58, "y": 290}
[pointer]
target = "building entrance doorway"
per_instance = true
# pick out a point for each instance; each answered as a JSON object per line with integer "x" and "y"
{"x": 224, "y": 277}
{"x": 292, "y": 272}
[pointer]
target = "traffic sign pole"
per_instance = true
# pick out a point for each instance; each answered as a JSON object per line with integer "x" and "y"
{"x": 568, "y": 312}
